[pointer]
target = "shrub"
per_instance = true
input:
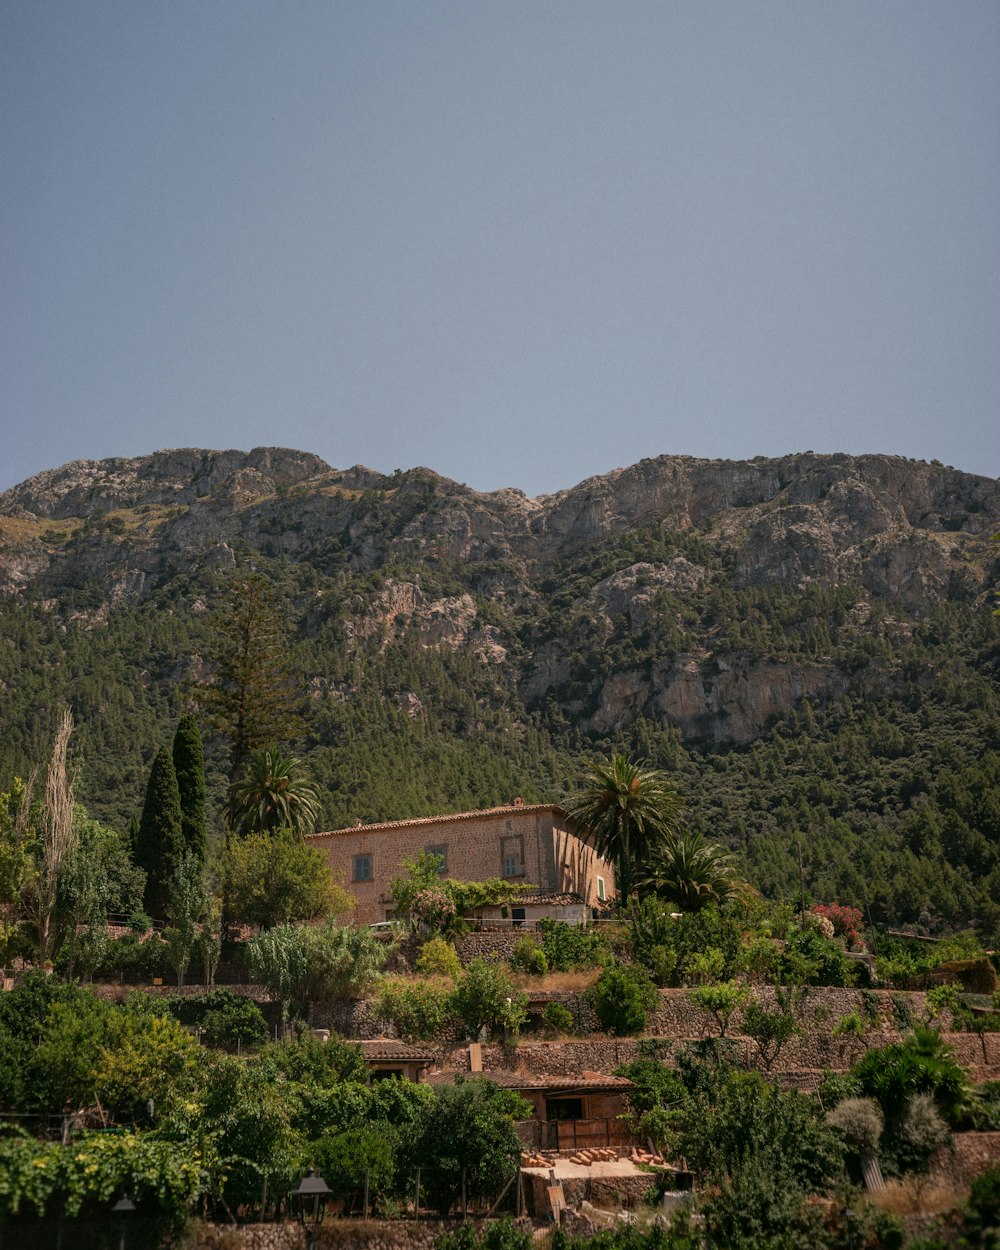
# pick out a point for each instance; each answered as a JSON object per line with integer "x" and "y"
{"x": 438, "y": 958}
{"x": 902, "y": 1013}
{"x": 921, "y": 1065}
{"x": 276, "y": 879}
{"x": 528, "y": 956}
{"x": 976, "y": 976}
{"x": 984, "y": 1107}
{"x": 922, "y": 1132}
{"x": 434, "y": 907}
{"x": 234, "y": 1025}
{"x": 418, "y": 1010}
{"x": 850, "y": 1025}
{"x": 299, "y": 962}
{"x": 982, "y": 1215}
{"x": 486, "y": 998}
{"x": 557, "y": 1019}
{"x": 342, "y": 1159}
{"x": 707, "y": 966}
{"x": 622, "y": 998}
{"x": 502, "y": 1234}
{"x": 859, "y": 1121}
{"x": 846, "y": 921}
{"x": 225, "y": 1018}
{"x": 811, "y": 959}
{"x": 654, "y": 1102}
{"x": 308, "y": 1060}
{"x": 571, "y": 946}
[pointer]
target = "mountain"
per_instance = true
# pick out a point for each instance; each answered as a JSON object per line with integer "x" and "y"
{"x": 806, "y": 641}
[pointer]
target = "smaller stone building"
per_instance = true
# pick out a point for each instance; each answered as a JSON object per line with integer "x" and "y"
{"x": 568, "y": 1112}
{"x": 387, "y": 1057}
{"x": 529, "y": 844}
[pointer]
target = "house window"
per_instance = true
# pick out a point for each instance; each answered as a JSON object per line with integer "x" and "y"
{"x": 564, "y": 1109}
{"x": 362, "y": 868}
{"x": 441, "y": 852}
{"x": 512, "y": 857}
{"x": 600, "y": 889}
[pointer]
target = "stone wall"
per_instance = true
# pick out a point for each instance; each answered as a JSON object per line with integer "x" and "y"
{"x": 387, "y": 1234}
{"x": 494, "y": 945}
{"x": 800, "y": 1064}
{"x": 334, "y": 1234}
{"x": 973, "y": 1153}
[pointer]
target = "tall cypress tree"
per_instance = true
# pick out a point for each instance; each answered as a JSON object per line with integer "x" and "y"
{"x": 189, "y": 765}
{"x": 160, "y": 843}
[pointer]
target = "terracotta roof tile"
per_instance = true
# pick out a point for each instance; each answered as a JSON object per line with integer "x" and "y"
{"x": 536, "y": 1080}
{"x": 440, "y": 820}
{"x": 389, "y": 1048}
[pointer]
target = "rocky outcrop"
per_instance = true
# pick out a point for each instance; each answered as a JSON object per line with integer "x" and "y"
{"x": 904, "y": 532}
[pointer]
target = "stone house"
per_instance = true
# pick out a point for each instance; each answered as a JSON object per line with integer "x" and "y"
{"x": 387, "y": 1057}
{"x": 530, "y": 844}
{"x": 568, "y": 1112}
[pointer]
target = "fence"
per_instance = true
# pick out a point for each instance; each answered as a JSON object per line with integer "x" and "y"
{"x": 573, "y": 1134}
{"x": 432, "y": 1193}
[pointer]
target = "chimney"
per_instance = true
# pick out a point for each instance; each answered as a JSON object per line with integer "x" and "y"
{"x": 519, "y": 802}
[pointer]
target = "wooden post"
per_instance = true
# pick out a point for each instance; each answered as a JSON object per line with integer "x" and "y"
{"x": 365, "y": 1215}
{"x": 416, "y": 1200}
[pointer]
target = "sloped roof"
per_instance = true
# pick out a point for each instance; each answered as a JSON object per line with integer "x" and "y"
{"x": 537, "y": 1080}
{"x": 448, "y": 818}
{"x": 388, "y": 1048}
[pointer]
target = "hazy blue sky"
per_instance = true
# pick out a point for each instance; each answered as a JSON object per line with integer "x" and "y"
{"x": 517, "y": 242}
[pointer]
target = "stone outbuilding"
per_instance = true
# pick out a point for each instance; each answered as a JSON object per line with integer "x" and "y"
{"x": 386, "y": 1057}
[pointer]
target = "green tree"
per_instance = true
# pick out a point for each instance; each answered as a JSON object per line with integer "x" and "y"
{"x": 627, "y": 812}
{"x": 160, "y": 843}
{"x": 721, "y": 999}
{"x": 186, "y": 912}
{"x": 98, "y": 880}
{"x": 270, "y": 880}
{"x": 189, "y": 766}
{"x": 691, "y": 872}
{"x": 299, "y": 963}
{"x": 271, "y": 792}
{"x": 486, "y": 998}
{"x": 622, "y": 998}
{"x": 252, "y": 698}
{"x": 469, "y": 1127}
{"x": 771, "y": 1028}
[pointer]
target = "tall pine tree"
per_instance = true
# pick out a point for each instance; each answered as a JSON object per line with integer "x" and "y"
{"x": 160, "y": 843}
{"x": 189, "y": 765}
{"x": 253, "y": 699}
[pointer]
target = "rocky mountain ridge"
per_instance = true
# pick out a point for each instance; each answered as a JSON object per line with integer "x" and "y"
{"x": 801, "y": 518}
{"x": 901, "y": 532}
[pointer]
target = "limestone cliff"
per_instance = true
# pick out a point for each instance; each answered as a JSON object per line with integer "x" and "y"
{"x": 904, "y": 535}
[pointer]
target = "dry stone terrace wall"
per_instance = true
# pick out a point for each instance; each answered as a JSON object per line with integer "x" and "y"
{"x": 334, "y": 1234}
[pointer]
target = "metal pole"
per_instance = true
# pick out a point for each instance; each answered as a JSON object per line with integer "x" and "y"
{"x": 416, "y": 1200}
{"x": 365, "y": 1216}
{"x": 464, "y": 1208}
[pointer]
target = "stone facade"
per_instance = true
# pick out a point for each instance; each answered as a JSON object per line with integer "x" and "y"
{"x": 527, "y": 845}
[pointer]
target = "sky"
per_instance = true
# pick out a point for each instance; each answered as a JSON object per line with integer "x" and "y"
{"x": 518, "y": 242}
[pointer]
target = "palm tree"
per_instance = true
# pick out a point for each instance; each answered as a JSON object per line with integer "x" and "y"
{"x": 271, "y": 792}
{"x": 628, "y": 812}
{"x": 691, "y": 873}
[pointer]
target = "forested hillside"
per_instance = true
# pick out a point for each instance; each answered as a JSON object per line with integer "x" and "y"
{"x": 807, "y": 643}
